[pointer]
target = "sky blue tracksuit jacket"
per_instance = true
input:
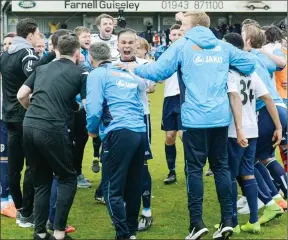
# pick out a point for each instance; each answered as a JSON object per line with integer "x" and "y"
{"x": 202, "y": 62}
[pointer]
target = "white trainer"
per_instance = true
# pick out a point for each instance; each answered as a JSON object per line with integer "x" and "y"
{"x": 241, "y": 202}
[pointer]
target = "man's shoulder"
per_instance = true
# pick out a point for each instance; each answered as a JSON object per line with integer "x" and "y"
{"x": 97, "y": 38}
{"x": 141, "y": 61}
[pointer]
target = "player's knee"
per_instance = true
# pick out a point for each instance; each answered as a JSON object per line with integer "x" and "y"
{"x": 170, "y": 138}
{"x": 265, "y": 161}
{"x": 247, "y": 177}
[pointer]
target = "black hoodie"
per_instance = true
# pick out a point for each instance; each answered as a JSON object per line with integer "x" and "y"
{"x": 16, "y": 65}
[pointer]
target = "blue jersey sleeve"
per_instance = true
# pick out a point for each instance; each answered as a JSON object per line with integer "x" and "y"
{"x": 270, "y": 65}
{"x": 279, "y": 53}
{"x": 243, "y": 61}
{"x": 94, "y": 99}
{"x": 165, "y": 66}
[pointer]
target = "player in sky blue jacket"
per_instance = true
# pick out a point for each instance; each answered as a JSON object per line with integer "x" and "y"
{"x": 114, "y": 101}
{"x": 203, "y": 62}
{"x": 109, "y": 85}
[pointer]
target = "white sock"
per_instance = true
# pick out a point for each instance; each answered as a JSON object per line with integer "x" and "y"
{"x": 270, "y": 203}
{"x": 277, "y": 196}
{"x": 59, "y": 234}
{"x": 147, "y": 213}
{"x": 41, "y": 235}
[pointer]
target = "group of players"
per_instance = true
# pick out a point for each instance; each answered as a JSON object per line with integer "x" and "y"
{"x": 101, "y": 91}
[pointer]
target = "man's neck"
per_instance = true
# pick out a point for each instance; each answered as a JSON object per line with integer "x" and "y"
{"x": 103, "y": 38}
{"x": 132, "y": 59}
{"x": 68, "y": 57}
{"x": 99, "y": 63}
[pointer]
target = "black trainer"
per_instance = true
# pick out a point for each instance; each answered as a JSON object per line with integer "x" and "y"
{"x": 95, "y": 165}
{"x": 224, "y": 231}
{"x": 197, "y": 230}
{"x": 171, "y": 178}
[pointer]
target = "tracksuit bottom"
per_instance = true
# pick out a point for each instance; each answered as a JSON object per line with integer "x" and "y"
{"x": 200, "y": 144}
{"x": 122, "y": 167}
{"x": 80, "y": 138}
{"x": 50, "y": 153}
{"x": 15, "y": 166}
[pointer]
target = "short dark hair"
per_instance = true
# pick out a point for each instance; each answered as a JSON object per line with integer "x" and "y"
{"x": 100, "y": 17}
{"x": 10, "y": 34}
{"x": 235, "y": 39}
{"x": 26, "y": 26}
{"x": 273, "y": 34}
{"x": 68, "y": 44}
{"x": 127, "y": 30}
{"x": 175, "y": 26}
{"x": 57, "y": 34}
{"x": 265, "y": 28}
{"x": 249, "y": 21}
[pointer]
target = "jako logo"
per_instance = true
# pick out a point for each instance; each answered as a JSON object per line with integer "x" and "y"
{"x": 123, "y": 84}
{"x": 2, "y": 147}
{"x": 198, "y": 59}
{"x": 27, "y": 4}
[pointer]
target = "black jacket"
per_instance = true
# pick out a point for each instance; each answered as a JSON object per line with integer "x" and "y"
{"x": 16, "y": 65}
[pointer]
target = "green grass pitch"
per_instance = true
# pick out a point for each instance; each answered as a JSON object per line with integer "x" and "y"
{"x": 169, "y": 203}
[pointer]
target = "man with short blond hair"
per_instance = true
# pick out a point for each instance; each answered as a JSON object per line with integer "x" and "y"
{"x": 40, "y": 45}
{"x": 198, "y": 18}
{"x": 205, "y": 111}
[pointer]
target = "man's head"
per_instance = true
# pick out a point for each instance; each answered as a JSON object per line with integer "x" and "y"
{"x": 235, "y": 39}
{"x": 252, "y": 22}
{"x": 127, "y": 43}
{"x": 27, "y": 28}
{"x": 8, "y": 40}
{"x": 249, "y": 21}
{"x": 69, "y": 46}
{"x": 105, "y": 24}
{"x": 175, "y": 33}
{"x": 98, "y": 53}
{"x": 193, "y": 19}
{"x": 143, "y": 48}
{"x": 253, "y": 37}
{"x": 40, "y": 44}
{"x": 273, "y": 34}
{"x": 56, "y": 35}
{"x": 84, "y": 35}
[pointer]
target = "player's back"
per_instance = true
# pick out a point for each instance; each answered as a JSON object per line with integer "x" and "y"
{"x": 55, "y": 87}
{"x": 122, "y": 107}
{"x": 264, "y": 75}
{"x": 250, "y": 87}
